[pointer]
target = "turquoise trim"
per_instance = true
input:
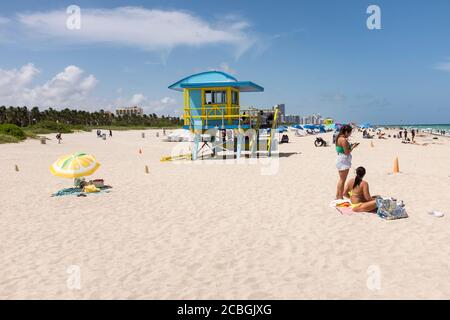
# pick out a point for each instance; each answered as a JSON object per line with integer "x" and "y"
{"x": 244, "y": 86}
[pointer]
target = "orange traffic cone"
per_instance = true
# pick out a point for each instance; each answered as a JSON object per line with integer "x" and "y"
{"x": 396, "y": 166}
{"x": 146, "y": 169}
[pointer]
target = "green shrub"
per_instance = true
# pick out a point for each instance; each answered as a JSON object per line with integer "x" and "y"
{"x": 80, "y": 127}
{"x": 4, "y": 138}
{"x": 12, "y": 130}
{"x": 50, "y": 127}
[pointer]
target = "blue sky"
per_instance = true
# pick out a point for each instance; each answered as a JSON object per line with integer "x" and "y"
{"x": 314, "y": 56}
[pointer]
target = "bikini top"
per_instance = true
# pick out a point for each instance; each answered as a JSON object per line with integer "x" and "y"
{"x": 340, "y": 149}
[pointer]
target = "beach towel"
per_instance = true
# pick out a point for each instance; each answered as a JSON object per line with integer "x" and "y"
{"x": 344, "y": 207}
{"x": 79, "y": 191}
{"x": 345, "y": 211}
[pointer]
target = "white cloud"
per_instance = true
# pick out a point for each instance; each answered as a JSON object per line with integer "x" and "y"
{"x": 225, "y": 68}
{"x": 69, "y": 88}
{"x": 147, "y": 29}
{"x": 15, "y": 80}
{"x": 165, "y": 105}
{"x": 443, "y": 66}
{"x": 138, "y": 99}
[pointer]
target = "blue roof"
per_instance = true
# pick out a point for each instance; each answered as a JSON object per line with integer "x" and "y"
{"x": 215, "y": 79}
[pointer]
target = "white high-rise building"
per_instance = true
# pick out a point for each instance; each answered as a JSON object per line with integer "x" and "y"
{"x": 282, "y": 114}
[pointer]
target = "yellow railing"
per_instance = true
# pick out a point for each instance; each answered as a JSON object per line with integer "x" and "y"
{"x": 214, "y": 112}
{"x": 220, "y": 117}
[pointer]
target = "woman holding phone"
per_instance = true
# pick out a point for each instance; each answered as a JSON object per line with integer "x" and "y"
{"x": 344, "y": 158}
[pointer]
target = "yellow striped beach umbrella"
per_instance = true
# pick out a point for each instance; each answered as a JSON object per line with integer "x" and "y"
{"x": 75, "y": 165}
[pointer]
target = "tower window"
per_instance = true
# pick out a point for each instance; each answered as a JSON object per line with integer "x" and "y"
{"x": 234, "y": 97}
{"x": 215, "y": 97}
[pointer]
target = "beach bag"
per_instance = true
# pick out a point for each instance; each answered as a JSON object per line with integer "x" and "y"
{"x": 390, "y": 209}
{"x": 99, "y": 183}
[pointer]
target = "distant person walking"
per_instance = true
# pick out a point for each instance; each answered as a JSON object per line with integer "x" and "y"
{"x": 413, "y": 135}
{"x": 344, "y": 158}
{"x": 110, "y": 133}
{"x": 59, "y": 137}
{"x": 400, "y": 134}
{"x": 224, "y": 135}
{"x": 406, "y": 134}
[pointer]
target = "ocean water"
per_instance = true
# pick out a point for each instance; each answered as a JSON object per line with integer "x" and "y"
{"x": 431, "y": 127}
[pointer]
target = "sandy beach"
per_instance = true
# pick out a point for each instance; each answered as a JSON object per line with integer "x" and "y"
{"x": 222, "y": 230}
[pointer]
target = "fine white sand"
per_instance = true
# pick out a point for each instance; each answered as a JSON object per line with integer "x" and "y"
{"x": 214, "y": 230}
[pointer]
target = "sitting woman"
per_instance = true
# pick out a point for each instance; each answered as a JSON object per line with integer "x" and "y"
{"x": 358, "y": 191}
{"x": 381, "y": 135}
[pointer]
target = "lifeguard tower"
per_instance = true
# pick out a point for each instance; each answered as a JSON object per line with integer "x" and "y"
{"x": 212, "y": 107}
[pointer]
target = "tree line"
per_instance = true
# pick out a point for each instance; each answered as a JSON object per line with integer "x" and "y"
{"x": 25, "y": 117}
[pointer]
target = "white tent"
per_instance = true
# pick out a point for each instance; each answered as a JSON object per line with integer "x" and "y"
{"x": 180, "y": 135}
{"x": 300, "y": 132}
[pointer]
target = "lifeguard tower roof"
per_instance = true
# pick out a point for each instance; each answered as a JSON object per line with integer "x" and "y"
{"x": 212, "y": 79}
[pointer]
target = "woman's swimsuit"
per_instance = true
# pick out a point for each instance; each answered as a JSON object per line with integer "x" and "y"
{"x": 353, "y": 205}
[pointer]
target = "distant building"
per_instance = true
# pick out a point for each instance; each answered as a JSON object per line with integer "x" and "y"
{"x": 282, "y": 115}
{"x": 315, "y": 119}
{"x": 109, "y": 114}
{"x": 292, "y": 119}
{"x": 130, "y": 111}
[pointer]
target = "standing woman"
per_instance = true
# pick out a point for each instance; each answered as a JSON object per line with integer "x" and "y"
{"x": 344, "y": 158}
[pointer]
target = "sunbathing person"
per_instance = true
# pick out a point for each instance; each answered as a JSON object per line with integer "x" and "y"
{"x": 366, "y": 135}
{"x": 79, "y": 182}
{"x": 358, "y": 191}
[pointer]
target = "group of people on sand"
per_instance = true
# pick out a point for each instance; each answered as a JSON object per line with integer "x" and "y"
{"x": 403, "y": 134}
{"x": 379, "y": 134}
{"x": 100, "y": 134}
{"x": 356, "y": 189}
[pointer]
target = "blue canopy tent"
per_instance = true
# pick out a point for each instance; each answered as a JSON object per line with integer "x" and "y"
{"x": 297, "y": 126}
{"x": 309, "y": 126}
{"x": 365, "y": 125}
{"x": 281, "y": 129}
